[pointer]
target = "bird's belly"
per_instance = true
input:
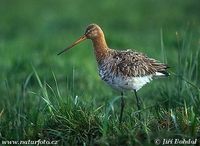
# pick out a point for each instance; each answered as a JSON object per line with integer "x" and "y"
{"x": 126, "y": 83}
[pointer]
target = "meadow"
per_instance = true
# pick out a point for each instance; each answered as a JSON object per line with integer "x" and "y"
{"x": 50, "y": 97}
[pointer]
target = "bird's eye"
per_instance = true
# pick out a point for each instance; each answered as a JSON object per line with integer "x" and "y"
{"x": 87, "y": 31}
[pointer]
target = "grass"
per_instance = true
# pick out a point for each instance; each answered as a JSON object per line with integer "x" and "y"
{"x": 50, "y": 97}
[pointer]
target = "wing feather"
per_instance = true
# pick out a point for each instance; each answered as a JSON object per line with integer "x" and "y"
{"x": 134, "y": 64}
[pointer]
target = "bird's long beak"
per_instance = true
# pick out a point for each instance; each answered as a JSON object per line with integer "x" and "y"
{"x": 82, "y": 38}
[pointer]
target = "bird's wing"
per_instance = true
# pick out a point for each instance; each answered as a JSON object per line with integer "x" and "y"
{"x": 134, "y": 64}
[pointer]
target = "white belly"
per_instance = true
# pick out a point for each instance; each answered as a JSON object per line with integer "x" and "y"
{"x": 128, "y": 83}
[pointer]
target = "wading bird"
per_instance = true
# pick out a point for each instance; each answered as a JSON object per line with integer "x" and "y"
{"x": 122, "y": 70}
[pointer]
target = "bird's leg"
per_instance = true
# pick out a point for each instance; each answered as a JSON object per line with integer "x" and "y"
{"x": 138, "y": 104}
{"x": 122, "y": 107}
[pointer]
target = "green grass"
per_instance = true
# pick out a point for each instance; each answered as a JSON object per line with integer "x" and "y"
{"x": 50, "y": 97}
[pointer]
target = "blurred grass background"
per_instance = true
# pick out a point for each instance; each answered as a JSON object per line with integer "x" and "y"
{"x": 33, "y": 32}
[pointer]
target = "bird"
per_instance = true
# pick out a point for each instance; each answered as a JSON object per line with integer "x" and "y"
{"x": 121, "y": 69}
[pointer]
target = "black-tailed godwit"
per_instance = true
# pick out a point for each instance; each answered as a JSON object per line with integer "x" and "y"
{"x": 122, "y": 70}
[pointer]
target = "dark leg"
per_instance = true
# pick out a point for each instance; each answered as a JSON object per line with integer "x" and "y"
{"x": 122, "y": 107}
{"x": 138, "y": 103}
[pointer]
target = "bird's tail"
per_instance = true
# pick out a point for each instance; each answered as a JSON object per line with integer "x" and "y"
{"x": 162, "y": 71}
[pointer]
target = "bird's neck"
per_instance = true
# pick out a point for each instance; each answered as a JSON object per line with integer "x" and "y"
{"x": 100, "y": 48}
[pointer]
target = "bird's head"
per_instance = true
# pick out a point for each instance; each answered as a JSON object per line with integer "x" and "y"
{"x": 92, "y": 31}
